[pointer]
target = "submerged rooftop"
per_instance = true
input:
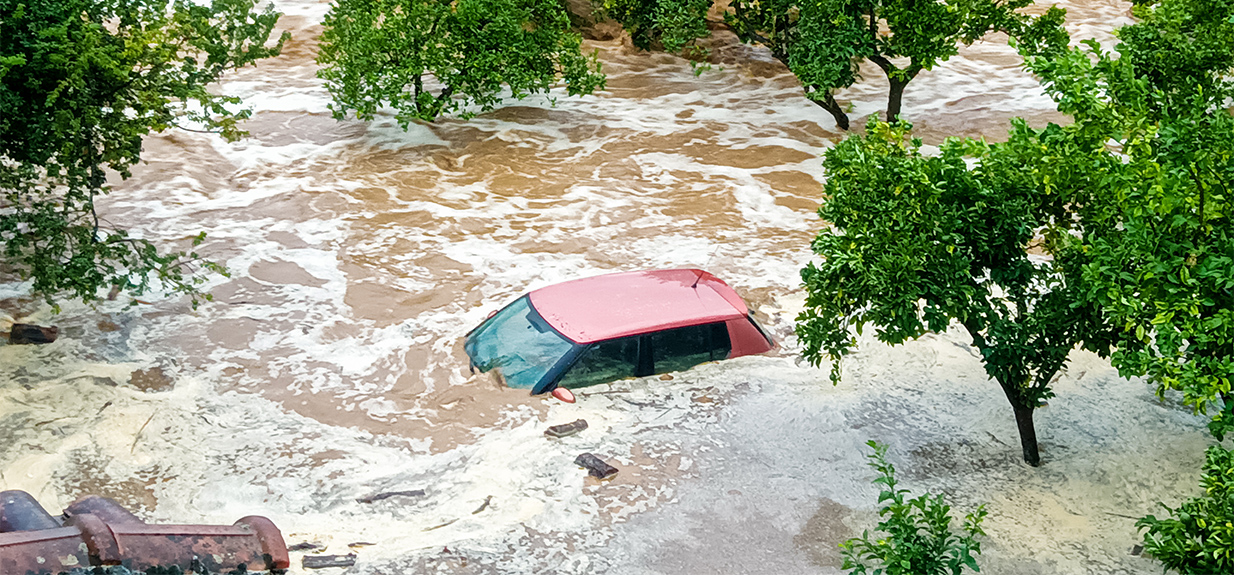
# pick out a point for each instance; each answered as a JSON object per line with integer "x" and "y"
{"x": 630, "y": 303}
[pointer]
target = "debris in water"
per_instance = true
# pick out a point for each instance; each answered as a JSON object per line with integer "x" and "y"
{"x": 1137, "y": 549}
{"x": 446, "y": 524}
{"x": 24, "y": 333}
{"x": 566, "y": 429}
{"x": 327, "y": 561}
{"x": 137, "y": 437}
{"x": 487, "y": 500}
{"x": 360, "y": 544}
{"x": 389, "y": 494}
{"x": 305, "y": 546}
{"x": 596, "y": 466}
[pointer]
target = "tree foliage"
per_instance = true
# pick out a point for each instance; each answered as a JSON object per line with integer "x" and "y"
{"x": 1198, "y": 537}
{"x": 426, "y": 58}
{"x": 919, "y": 539}
{"x": 1130, "y": 203}
{"x": 670, "y": 25}
{"x": 81, "y": 82}
{"x": 917, "y": 242}
{"x": 823, "y": 42}
{"x": 1163, "y": 263}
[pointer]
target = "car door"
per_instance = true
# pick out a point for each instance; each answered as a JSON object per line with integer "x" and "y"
{"x": 681, "y": 348}
{"x": 603, "y": 362}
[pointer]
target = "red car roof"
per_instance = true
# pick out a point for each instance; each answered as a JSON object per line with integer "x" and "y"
{"x": 630, "y": 303}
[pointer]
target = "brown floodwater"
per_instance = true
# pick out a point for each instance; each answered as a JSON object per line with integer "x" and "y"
{"x": 360, "y": 254}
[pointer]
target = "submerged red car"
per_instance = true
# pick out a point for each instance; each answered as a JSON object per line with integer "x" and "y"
{"x": 599, "y": 329}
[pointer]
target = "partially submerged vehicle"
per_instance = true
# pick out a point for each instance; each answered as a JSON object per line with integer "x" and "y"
{"x": 600, "y": 329}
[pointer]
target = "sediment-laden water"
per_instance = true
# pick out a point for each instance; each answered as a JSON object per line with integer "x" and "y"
{"x": 329, "y": 365}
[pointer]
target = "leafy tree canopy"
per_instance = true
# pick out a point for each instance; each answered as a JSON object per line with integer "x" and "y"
{"x": 671, "y": 25}
{"x": 81, "y": 82}
{"x": 824, "y": 42}
{"x": 919, "y": 241}
{"x": 1162, "y": 250}
{"x": 1130, "y": 203}
{"x": 1198, "y": 537}
{"x": 426, "y": 58}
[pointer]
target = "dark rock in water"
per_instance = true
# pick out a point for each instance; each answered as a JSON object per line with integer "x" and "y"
{"x": 24, "y": 333}
{"x": 566, "y": 429}
{"x": 326, "y": 561}
{"x": 389, "y": 494}
{"x": 595, "y": 466}
{"x": 305, "y": 546}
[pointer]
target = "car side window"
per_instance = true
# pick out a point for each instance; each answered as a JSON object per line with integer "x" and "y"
{"x": 681, "y": 348}
{"x": 603, "y": 362}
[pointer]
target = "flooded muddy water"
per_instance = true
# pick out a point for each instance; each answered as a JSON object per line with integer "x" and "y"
{"x": 329, "y": 365}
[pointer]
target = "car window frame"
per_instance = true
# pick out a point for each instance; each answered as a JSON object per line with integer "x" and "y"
{"x": 646, "y": 352}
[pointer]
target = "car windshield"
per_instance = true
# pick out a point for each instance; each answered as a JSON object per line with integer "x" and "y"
{"x": 519, "y": 343}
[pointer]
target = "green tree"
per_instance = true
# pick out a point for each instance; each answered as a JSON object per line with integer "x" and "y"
{"x": 917, "y": 242}
{"x": 426, "y": 58}
{"x": 81, "y": 82}
{"x": 1198, "y": 537}
{"x": 1130, "y": 202}
{"x": 823, "y": 42}
{"x": 919, "y": 539}
{"x": 670, "y": 25}
{"x": 1163, "y": 265}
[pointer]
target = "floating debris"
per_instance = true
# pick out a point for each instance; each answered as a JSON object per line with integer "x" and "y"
{"x": 484, "y": 505}
{"x": 566, "y": 429}
{"x": 595, "y": 466}
{"x": 389, "y": 494}
{"x": 327, "y": 561}
{"x": 446, "y": 524}
{"x": 24, "y": 333}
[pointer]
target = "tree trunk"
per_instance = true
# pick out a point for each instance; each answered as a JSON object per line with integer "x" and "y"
{"x": 894, "y": 97}
{"x": 1028, "y": 433}
{"x": 829, "y": 103}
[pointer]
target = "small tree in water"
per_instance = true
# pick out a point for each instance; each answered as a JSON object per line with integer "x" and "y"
{"x": 917, "y": 242}
{"x": 427, "y": 58}
{"x": 1137, "y": 233}
{"x": 919, "y": 538}
{"x": 824, "y": 43}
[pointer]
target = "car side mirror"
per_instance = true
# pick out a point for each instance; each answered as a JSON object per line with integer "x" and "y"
{"x": 563, "y": 394}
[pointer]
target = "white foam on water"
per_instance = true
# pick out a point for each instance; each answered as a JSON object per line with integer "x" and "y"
{"x": 329, "y": 368}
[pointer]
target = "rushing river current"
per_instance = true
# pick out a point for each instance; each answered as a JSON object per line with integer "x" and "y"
{"x": 329, "y": 365}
